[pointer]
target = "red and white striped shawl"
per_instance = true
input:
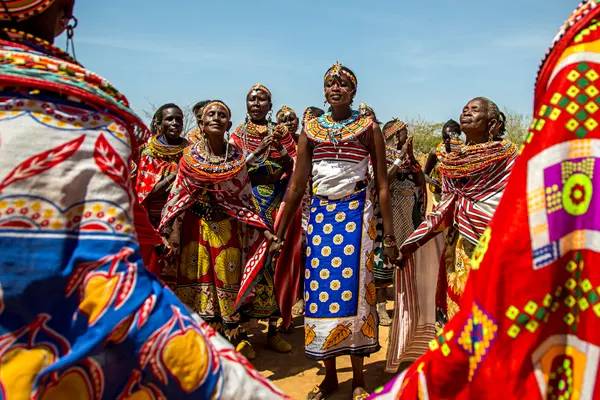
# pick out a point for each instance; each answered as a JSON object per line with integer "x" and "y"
{"x": 468, "y": 202}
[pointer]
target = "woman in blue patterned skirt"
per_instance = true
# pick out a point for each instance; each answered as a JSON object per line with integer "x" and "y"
{"x": 340, "y": 315}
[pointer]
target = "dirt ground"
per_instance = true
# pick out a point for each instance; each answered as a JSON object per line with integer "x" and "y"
{"x": 296, "y": 375}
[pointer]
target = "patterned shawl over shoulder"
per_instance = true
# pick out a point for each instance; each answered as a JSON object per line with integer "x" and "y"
{"x": 473, "y": 180}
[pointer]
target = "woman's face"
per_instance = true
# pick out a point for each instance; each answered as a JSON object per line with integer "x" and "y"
{"x": 450, "y": 132}
{"x": 339, "y": 91}
{"x": 215, "y": 120}
{"x": 475, "y": 122}
{"x": 401, "y": 136}
{"x": 290, "y": 120}
{"x": 198, "y": 115}
{"x": 171, "y": 124}
{"x": 258, "y": 105}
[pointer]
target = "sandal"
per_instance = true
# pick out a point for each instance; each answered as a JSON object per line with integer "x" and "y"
{"x": 245, "y": 348}
{"x": 318, "y": 393}
{"x": 361, "y": 395}
{"x": 278, "y": 344}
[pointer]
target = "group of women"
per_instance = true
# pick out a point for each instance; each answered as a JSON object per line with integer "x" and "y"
{"x": 240, "y": 209}
{"x": 239, "y": 223}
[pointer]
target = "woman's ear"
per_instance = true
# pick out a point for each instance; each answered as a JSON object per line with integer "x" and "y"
{"x": 494, "y": 127}
{"x": 229, "y": 125}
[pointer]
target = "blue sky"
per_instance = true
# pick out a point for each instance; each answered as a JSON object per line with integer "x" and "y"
{"x": 414, "y": 59}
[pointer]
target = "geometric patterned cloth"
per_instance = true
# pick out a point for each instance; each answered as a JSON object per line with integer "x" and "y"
{"x": 529, "y": 318}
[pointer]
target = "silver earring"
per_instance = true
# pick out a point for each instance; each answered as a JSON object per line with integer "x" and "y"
{"x": 71, "y": 25}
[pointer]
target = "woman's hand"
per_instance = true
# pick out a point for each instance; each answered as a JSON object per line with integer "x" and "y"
{"x": 275, "y": 244}
{"x": 390, "y": 254}
{"x": 266, "y": 143}
{"x": 279, "y": 132}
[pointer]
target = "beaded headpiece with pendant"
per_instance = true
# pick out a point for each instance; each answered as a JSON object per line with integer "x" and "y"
{"x": 261, "y": 87}
{"x": 338, "y": 70}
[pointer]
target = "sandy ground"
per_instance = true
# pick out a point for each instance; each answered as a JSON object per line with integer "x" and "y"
{"x": 296, "y": 375}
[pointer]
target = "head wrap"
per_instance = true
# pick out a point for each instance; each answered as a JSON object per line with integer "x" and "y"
{"x": 216, "y": 102}
{"x": 261, "y": 87}
{"x": 20, "y": 10}
{"x": 338, "y": 70}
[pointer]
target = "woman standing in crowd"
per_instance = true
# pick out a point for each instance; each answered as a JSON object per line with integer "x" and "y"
{"x": 269, "y": 175}
{"x": 212, "y": 222}
{"x": 80, "y": 317}
{"x": 473, "y": 180}
{"x": 155, "y": 173}
{"x": 450, "y": 137}
{"x": 415, "y": 286}
{"x": 194, "y": 134}
{"x": 157, "y": 168}
{"x": 288, "y": 118}
{"x": 340, "y": 315}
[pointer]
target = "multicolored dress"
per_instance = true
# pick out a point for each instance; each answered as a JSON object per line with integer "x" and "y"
{"x": 285, "y": 281}
{"x": 530, "y": 315}
{"x": 473, "y": 180}
{"x": 79, "y": 315}
{"x": 212, "y": 222}
{"x": 339, "y": 292}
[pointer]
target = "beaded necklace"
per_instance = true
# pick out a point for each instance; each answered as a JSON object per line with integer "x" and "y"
{"x": 257, "y": 130}
{"x": 163, "y": 151}
{"x": 33, "y": 42}
{"x": 325, "y": 129}
{"x": 469, "y": 159}
{"x": 55, "y": 66}
{"x": 258, "y": 133}
{"x": 202, "y": 165}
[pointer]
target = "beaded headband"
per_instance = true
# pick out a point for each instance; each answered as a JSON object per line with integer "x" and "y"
{"x": 285, "y": 109}
{"x": 395, "y": 126}
{"x": 260, "y": 86}
{"x": 338, "y": 70}
{"x": 216, "y": 102}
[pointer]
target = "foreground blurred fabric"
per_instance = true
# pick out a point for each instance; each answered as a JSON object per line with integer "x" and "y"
{"x": 80, "y": 317}
{"x": 529, "y": 319}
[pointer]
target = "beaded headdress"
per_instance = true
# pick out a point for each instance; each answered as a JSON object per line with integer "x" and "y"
{"x": 338, "y": 70}
{"x": 285, "y": 109}
{"x": 261, "y": 87}
{"x": 364, "y": 109}
{"x": 394, "y": 126}
{"x": 216, "y": 102}
{"x": 20, "y": 10}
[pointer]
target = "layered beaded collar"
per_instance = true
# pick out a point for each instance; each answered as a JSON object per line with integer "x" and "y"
{"x": 200, "y": 166}
{"x": 471, "y": 159}
{"x": 31, "y": 42}
{"x": 325, "y": 129}
{"x": 164, "y": 151}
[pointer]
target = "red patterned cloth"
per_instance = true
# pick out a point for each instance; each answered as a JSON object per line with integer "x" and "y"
{"x": 288, "y": 269}
{"x": 231, "y": 193}
{"x": 469, "y": 198}
{"x": 530, "y": 316}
